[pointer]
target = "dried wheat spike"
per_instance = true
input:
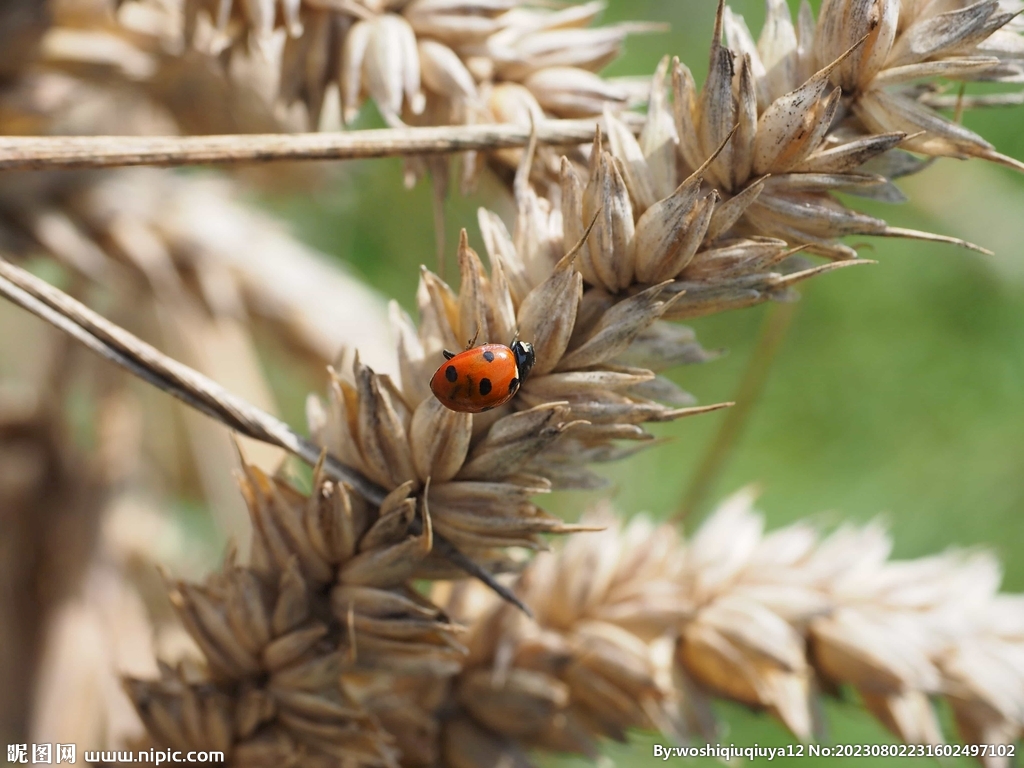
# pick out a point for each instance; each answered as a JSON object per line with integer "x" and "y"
{"x": 637, "y": 628}
{"x": 596, "y": 663}
{"x": 909, "y": 46}
{"x": 298, "y": 643}
{"x": 781, "y": 616}
{"x": 425, "y": 60}
{"x": 584, "y": 396}
{"x": 889, "y": 57}
{"x": 715, "y": 198}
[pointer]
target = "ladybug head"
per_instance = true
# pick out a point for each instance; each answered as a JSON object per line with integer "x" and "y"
{"x": 525, "y": 357}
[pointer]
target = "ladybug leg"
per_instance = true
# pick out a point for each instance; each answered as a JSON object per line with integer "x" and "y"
{"x": 447, "y": 355}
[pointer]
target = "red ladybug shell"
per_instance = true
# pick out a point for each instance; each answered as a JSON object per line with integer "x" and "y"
{"x": 478, "y": 379}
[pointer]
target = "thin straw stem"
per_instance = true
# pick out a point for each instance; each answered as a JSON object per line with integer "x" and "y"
{"x": 54, "y": 152}
{"x": 774, "y": 328}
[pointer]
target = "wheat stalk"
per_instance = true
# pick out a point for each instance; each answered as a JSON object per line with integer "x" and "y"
{"x": 772, "y": 334}
{"x": 39, "y": 153}
{"x": 141, "y": 359}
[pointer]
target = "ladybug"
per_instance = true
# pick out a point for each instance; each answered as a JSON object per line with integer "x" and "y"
{"x": 482, "y": 378}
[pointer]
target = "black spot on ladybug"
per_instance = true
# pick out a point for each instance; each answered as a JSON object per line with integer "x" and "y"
{"x": 485, "y": 384}
{"x": 513, "y": 385}
{"x": 489, "y": 357}
{"x": 451, "y": 374}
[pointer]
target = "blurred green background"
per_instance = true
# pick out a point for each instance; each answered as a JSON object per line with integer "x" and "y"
{"x": 898, "y": 391}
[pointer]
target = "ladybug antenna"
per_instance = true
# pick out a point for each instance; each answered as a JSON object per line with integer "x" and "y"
{"x": 447, "y": 355}
{"x": 476, "y": 335}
